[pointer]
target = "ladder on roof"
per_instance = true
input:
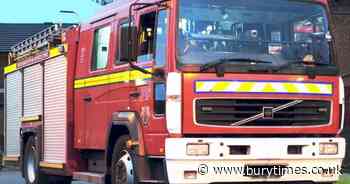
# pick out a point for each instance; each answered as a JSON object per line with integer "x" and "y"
{"x": 39, "y": 41}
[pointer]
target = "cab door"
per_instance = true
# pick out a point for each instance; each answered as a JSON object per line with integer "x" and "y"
{"x": 96, "y": 94}
{"x": 150, "y": 101}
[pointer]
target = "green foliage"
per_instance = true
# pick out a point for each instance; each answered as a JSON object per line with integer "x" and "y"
{"x": 344, "y": 180}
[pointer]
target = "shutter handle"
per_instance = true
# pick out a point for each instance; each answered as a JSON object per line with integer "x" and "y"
{"x": 134, "y": 94}
{"x": 87, "y": 98}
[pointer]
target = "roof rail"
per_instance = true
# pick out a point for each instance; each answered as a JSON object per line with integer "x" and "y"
{"x": 36, "y": 42}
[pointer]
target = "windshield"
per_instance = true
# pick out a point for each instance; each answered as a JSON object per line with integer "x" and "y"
{"x": 277, "y": 31}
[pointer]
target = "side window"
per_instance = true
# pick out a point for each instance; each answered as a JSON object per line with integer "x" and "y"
{"x": 146, "y": 37}
{"x": 123, "y": 24}
{"x": 161, "y": 38}
{"x": 159, "y": 98}
{"x": 100, "y": 50}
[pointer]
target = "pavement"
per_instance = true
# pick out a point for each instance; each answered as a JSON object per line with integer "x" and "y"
{"x": 12, "y": 176}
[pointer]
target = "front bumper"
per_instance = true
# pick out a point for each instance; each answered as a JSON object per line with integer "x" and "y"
{"x": 221, "y": 166}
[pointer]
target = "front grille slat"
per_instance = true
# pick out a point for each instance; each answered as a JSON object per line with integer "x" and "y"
{"x": 224, "y": 112}
{"x": 257, "y": 112}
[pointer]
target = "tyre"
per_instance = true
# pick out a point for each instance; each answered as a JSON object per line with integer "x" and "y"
{"x": 31, "y": 171}
{"x": 32, "y": 174}
{"x": 122, "y": 165}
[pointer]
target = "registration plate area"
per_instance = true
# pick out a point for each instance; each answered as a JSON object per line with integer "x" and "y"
{"x": 265, "y": 171}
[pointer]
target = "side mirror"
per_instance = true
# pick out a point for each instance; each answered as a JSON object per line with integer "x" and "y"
{"x": 126, "y": 54}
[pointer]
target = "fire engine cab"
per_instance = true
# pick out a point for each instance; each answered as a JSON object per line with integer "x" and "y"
{"x": 172, "y": 91}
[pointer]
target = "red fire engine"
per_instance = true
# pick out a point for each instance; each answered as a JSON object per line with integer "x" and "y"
{"x": 153, "y": 91}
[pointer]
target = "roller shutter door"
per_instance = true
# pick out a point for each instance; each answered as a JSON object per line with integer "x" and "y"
{"x": 13, "y": 112}
{"x": 33, "y": 91}
{"x": 55, "y": 110}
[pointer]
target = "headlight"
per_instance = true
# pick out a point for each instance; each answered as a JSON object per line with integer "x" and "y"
{"x": 328, "y": 148}
{"x": 197, "y": 149}
{"x": 173, "y": 103}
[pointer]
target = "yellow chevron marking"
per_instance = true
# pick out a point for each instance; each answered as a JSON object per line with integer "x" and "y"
{"x": 268, "y": 88}
{"x": 199, "y": 85}
{"x": 246, "y": 86}
{"x": 313, "y": 88}
{"x": 220, "y": 86}
{"x": 291, "y": 88}
{"x": 329, "y": 89}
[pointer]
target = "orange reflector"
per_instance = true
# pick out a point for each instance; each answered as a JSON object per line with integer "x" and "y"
{"x": 161, "y": 150}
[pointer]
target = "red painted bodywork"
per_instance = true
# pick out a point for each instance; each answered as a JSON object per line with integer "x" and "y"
{"x": 88, "y": 122}
{"x": 92, "y": 119}
{"x": 74, "y": 160}
{"x": 189, "y": 127}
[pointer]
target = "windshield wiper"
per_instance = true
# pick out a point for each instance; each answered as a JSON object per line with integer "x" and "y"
{"x": 219, "y": 62}
{"x": 299, "y": 62}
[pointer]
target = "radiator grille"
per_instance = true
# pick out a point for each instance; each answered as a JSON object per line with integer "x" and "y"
{"x": 225, "y": 112}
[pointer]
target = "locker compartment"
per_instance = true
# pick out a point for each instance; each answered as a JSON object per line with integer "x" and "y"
{"x": 55, "y": 110}
{"x": 13, "y": 113}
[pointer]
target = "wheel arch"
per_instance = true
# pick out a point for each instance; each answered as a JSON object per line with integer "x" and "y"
{"x": 123, "y": 123}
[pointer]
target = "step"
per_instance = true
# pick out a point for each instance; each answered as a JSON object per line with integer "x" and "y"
{"x": 97, "y": 178}
{"x": 151, "y": 181}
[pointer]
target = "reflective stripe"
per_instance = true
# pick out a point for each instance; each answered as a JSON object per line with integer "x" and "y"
{"x": 11, "y": 158}
{"x": 263, "y": 87}
{"x": 51, "y": 165}
{"x": 10, "y": 68}
{"x": 125, "y": 76}
{"x": 53, "y": 52}
{"x": 31, "y": 119}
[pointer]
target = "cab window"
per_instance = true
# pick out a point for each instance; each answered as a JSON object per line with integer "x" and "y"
{"x": 161, "y": 38}
{"x": 101, "y": 48}
{"x": 122, "y": 24}
{"x": 146, "y": 37}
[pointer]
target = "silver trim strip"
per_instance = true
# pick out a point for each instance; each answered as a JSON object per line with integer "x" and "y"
{"x": 261, "y": 115}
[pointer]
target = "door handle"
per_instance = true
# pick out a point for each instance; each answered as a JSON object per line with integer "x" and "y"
{"x": 87, "y": 98}
{"x": 134, "y": 94}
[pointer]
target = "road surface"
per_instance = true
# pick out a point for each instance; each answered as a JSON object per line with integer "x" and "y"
{"x": 10, "y": 176}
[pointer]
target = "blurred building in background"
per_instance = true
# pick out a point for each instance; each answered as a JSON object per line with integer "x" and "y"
{"x": 11, "y": 34}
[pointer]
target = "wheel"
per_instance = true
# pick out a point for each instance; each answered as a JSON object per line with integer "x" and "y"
{"x": 122, "y": 166}
{"x": 32, "y": 173}
{"x": 31, "y": 170}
